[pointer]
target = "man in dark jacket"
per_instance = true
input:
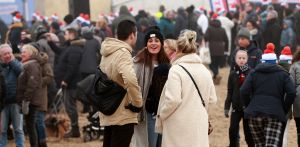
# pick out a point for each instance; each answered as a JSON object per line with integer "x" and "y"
{"x": 68, "y": 73}
{"x": 272, "y": 95}
{"x": 11, "y": 68}
{"x": 245, "y": 43}
{"x": 166, "y": 25}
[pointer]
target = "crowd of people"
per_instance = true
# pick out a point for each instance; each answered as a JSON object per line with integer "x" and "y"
{"x": 156, "y": 60}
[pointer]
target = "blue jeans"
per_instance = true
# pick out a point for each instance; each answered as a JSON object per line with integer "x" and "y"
{"x": 152, "y": 136}
{"x": 40, "y": 126}
{"x": 12, "y": 112}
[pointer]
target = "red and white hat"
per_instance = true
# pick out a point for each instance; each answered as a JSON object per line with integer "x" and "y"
{"x": 298, "y": 6}
{"x": 80, "y": 17}
{"x": 269, "y": 55}
{"x": 286, "y": 55}
{"x": 17, "y": 17}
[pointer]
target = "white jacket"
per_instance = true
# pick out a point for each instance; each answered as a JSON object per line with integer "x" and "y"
{"x": 181, "y": 117}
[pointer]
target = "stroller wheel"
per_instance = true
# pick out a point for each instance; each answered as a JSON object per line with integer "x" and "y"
{"x": 95, "y": 135}
{"x": 86, "y": 137}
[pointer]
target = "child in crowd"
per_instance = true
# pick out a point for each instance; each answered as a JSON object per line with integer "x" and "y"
{"x": 235, "y": 80}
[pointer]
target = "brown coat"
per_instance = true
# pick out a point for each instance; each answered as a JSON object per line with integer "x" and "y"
{"x": 117, "y": 63}
{"x": 47, "y": 78}
{"x": 29, "y": 83}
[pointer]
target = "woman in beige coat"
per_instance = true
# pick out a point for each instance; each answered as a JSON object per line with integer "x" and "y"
{"x": 181, "y": 117}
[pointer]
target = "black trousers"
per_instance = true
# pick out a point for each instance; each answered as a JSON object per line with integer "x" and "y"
{"x": 118, "y": 136}
{"x": 297, "y": 120}
{"x": 216, "y": 62}
{"x": 236, "y": 117}
{"x": 30, "y": 120}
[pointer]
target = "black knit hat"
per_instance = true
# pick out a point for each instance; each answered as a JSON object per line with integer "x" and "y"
{"x": 154, "y": 31}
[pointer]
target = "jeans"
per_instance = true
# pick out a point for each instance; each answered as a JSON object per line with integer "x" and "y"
{"x": 70, "y": 106}
{"x": 31, "y": 119}
{"x": 216, "y": 62}
{"x": 40, "y": 126}
{"x": 236, "y": 117}
{"x": 118, "y": 136}
{"x": 152, "y": 136}
{"x": 12, "y": 112}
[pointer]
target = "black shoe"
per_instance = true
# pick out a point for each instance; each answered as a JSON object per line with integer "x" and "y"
{"x": 74, "y": 133}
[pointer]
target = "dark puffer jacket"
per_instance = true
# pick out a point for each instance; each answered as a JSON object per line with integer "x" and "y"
{"x": 68, "y": 65}
{"x": 217, "y": 38}
{"x": 91, "y": 54}
{"x": 272, "y": 92}
{"x": 11, "y": 71}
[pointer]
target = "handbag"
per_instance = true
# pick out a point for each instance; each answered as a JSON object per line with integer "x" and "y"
{"x": 210, "y": 127}
{"x": 204, "y": 54}
{"x": 108, "y": 95}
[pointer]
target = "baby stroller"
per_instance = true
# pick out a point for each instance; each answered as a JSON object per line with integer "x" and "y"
{"x": 92, "y": 130}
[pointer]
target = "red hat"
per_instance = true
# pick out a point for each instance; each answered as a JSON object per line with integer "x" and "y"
{"x": 214, "y": 16}
{"x": 17, "y": 17}
{"x": 269, "y": 54}
{"x": 286, "y": 54}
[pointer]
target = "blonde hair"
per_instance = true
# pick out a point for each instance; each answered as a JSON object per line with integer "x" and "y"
{"x": 171, "y": 43}
{"x": 4, "y": 48}
{"x": 186, "y": 42}
{"x": 32, "y": 50}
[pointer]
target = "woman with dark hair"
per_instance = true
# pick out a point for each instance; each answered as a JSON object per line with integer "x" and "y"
{"x": 255, "y": 33}
{"x": 152, "y": 68}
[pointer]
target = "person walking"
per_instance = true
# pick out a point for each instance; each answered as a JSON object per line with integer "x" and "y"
{"x": 181, "y": 109}
{"x": 272, "y": 94}
{"x": 236, "y": 78}
{"x": 117, "y": 63}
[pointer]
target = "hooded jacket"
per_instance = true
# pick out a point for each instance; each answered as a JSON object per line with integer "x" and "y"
{"x": 287, "y": 34}
{"x": 217, "y": 38}
{"x": 90, "y": 54}
{"x": 47, "y": 78}
{"x": 117, "y": 63}
{"x": 272, "y": 92}
{"x": 30, "y": 82}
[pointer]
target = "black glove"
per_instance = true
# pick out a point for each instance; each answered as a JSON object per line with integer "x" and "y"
{"x": 226, "y": 113}
{"x": 134, "y": 108}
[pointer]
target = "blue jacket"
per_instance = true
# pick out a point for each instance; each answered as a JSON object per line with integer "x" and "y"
{"x": 271, "y": 91}
{"x": 287, "y": 34}
{"x": 11, "y": 72}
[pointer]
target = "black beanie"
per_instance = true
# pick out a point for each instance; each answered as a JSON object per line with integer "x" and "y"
{"x": 153, "y": 31}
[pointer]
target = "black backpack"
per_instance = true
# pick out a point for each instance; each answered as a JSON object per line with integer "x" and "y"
{"x": 107, "y": 94}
